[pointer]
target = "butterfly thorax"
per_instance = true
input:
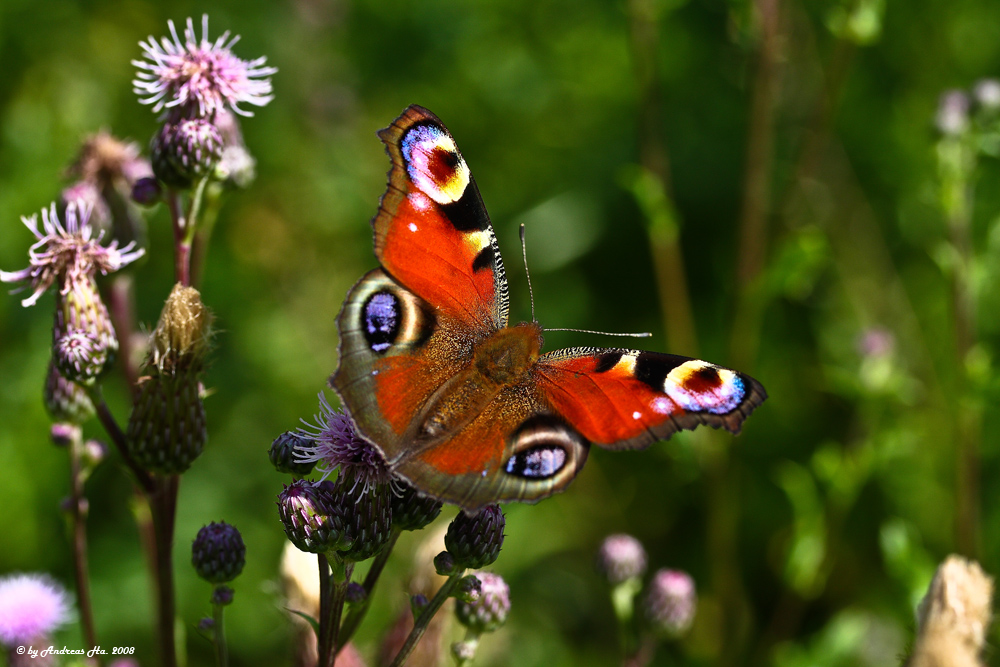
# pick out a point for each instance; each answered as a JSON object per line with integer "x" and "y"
{"x": 502, "y": 359}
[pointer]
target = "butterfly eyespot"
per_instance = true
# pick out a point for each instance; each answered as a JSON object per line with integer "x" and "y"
{"x": 381, "y": 315}
{"x": 537, "y": 462}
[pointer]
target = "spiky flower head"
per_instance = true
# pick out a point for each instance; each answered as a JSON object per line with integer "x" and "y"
{"x": 201, "y": 75}
{"x": 620, "y": 558}
{"x": 218, "y": 553}
{"x": 65, "y": 400}
{"x": 312, "y": 522}
{"x": 670, "y": 603}
{"x": 185, "y": 149}
{"x": 337, "y": 446}
{"x": 67, "y": 254}
{"x": 410, "y": 509}
{"x": 489, "y": 610}
{"x": 475, "y": 540}
{"x": 367, "y": 511}
{"x": 284, "y": 450}
{"x": 79, "y": 355}
{"x": 32, "y": 606}
{"x": 167, "y": 428}
{"x": 104, "y": 161}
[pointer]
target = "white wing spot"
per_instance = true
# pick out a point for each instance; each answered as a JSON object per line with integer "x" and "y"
{"x": 413, "y": 226}
{"x": 661, "y": 406}
{"x": 636, "y": 415}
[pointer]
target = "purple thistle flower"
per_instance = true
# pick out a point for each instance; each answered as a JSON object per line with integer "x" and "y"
{"x": 336, "y": 445}
{"x": 69, "y": 253}
{"x": 620, "y": 558}
{"x": 201, "y": 74}
{"x": 31, "y": 607}
{"x": 670, "y": 603}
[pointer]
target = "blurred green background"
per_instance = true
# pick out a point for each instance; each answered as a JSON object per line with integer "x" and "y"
{"x": 792, "y": 144}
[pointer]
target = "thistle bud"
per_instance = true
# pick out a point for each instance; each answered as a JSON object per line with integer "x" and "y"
{"x": 283, "y": 454}
{"x": 670, "y": 603}
{"x": 147, "y": 191}
{"x": 65, "y": 400}
{"x": 410, "y": 509}
{"x": 475, "y": 541}
{"x": 445, "y": 565}
{"x": 952, "y": 117}
{"x": 620, "y": 558}
{"x": 367, "y": 513}
{"x": 79, "y": 356}
{"x": 63, "y": 435}
{"x": 418, "y": 603}
{"x": 184, "y": 150}
{"x": 222, "y": 596}
{"x": 167, "y": 430}
{"x": 489, "y": 611}
{"x": 355, "y": 592}
{"x": 312, "y": 522}
{"x": 470, "y": 588}
{"x": 218, "y": 553}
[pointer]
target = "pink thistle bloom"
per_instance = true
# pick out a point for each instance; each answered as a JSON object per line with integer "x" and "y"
{"x": 200, "y": 73}
{"x": 67, "y": 253}
{"x": 337, "y": 445}
{"x": 32, "y": 606}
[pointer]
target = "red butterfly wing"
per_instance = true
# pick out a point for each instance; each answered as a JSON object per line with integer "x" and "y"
{"x": 627, "y": 399}
{"x": 432, "y": 232}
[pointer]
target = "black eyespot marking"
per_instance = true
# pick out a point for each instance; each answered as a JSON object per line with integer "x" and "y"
{"x": 652, "y": 368}
{"x": 607, "y": 361}
{"x": 543, "y": 445}
{"x": 484, "y": 260}
{"x": 538, "y": 462}
{"x": 381, "y": 320}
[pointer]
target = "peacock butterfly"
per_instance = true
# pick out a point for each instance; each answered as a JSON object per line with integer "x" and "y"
{"x": 464, "y": 406}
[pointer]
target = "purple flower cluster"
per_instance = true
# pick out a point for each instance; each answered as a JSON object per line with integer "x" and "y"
{"x": 32, "y": 606}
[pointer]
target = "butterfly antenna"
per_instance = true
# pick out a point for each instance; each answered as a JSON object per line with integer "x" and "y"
{"x": 524, "y": 254}
{"x": 644, "y": 334}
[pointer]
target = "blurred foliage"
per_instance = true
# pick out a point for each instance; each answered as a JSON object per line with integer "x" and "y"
{"x": 845, "y": 488}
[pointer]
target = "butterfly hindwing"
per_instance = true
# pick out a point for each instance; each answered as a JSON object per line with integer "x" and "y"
{"x": 627, "y": 399}
{"x": 432, "y": 232}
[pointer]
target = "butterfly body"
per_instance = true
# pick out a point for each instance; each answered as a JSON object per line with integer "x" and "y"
{"x": 464, "y": 406}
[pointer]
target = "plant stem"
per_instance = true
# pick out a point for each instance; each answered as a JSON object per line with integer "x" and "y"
{"x": 324, "y": 641}
{"x": 79, "y": 520}
{"x": 203, "y": 235}
{"x": 163, "y": 503}
{"x": 221, "y": 648}
{"x": 182, "y": 250}
{"x": 121, "y": 299}
{"x": 422, "y": 621}
{"x": 359, "y": 609}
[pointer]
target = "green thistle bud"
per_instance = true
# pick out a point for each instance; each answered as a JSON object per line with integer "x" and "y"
{"x": 84, "y": 344}
{"x": 222, "y": 596}
{"x": 185, "y": 150}
{"x": 167, "y": 430}
{"x": 65, "y": 400}
{"x": 410, "y": 510}
{"x": 367, "y": 511}
{"x": 218, "y": 553}
{"x": 283, "y": 454}
{"x": 489, "y": 611}
{"x": 475, "y": 541}
{"x": 312, "y": 522}
{"x": 445, "y": 565}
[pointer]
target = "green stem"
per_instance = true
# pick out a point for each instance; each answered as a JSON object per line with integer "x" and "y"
{"x": 221, "y": 648}
{"x": 423, "y": 621}
{"x": 203, "y": 235}
{"x": 359, "y": 609}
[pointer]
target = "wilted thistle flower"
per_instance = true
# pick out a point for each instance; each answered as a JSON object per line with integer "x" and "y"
{"x": 670, "y": 603}
{"x": 218, "y": 553}
{"x": 283, "y": 454}
{"x": 620, "y": 558}
{"x": 106, "y": 161}
{"x": 410, "y": 509}
{"x": 32, "y": 606}
{"x": 185, "y": 149}
{"x": 337, "y": 446}
{"x": 953, "y": 113}
{"x": 489, "y": 610}
{"x": 167, "y": 430}
{"x": 198, "y": 74}
{"x": 475, "y": 541}
{"x": 71, "y": 256}
{"x": 311, "y": 521}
